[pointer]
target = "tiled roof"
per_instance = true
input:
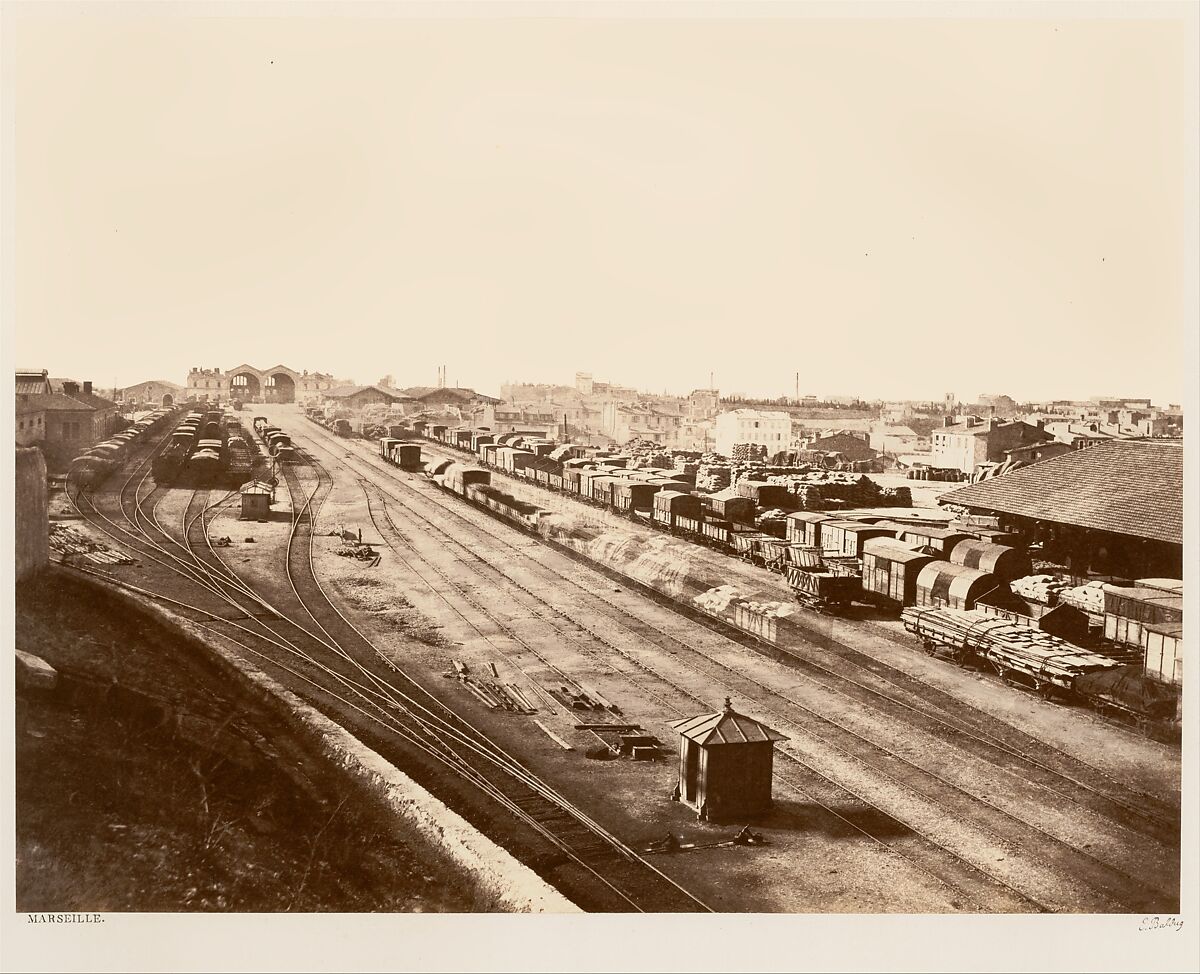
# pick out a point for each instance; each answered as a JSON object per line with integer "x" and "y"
{"x": 50, "y": 401}
{"x": 91, "y": 399}
{"x": 343, "y": 392}
{"x": 725, "y": 727}
{"x": 1132, "y": 487}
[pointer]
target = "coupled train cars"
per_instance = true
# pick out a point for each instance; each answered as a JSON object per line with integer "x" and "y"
{"x": 207, "y": 449}
{"x": 92, "y": 467}
{"x": 899, "y": 565}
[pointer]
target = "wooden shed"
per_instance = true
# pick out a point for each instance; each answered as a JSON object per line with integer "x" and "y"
{"x": 257, "y": 498}
{"x": 725, "y": 764}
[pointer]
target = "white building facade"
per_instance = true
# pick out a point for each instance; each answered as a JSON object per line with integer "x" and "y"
{"x": 772, "y": 430}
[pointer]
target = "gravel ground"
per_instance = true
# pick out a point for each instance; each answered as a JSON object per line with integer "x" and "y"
{"x": 655, "y": 687}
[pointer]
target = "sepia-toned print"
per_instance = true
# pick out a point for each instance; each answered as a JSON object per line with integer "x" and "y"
{"x": 547, "y": 461}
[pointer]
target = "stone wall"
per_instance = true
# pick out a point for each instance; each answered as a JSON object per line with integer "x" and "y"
{"x": 32, "y": 529}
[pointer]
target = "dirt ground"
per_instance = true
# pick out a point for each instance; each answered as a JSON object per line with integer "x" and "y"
{"x": 146, "y": 783}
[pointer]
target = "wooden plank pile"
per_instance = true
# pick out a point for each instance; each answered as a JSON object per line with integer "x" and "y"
{"x": 71, "y": 543}
{"x": 496, "y": 694}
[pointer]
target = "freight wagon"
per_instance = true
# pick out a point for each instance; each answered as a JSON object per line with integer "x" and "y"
{"x": 1019, "y": 655}
{"x": 846, "y": 538}
{"x": 670, "y": 504}
{"x": 1128, "y": 610}
{"x": 1004, "y": 562}
{"x": 943, "y": 584}
{"x": 890, "y": 571}
{"x": 804, "y": 527}
{"x": 940, "y": 540}
{"x": 822, "y": 590}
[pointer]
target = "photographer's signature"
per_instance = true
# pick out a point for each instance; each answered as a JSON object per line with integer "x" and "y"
{"x": 1160, "y": 923}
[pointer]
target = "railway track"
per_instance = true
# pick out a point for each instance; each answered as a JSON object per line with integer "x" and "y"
{"x": 1082, "y": 782}
{"x": 1101, "y": 875}
{"x": 361, "y": 682}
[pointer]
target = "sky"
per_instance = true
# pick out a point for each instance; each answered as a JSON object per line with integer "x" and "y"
{"x": 892, "y": 208}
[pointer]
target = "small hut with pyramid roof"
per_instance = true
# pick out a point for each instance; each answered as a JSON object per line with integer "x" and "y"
{"x": 725, "y": 764}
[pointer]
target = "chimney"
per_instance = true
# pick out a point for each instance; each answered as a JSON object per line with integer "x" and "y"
{"x": 87, "y": 386}
{"x": 947, "y": 421}
{"x": 993, "y": 423}
{"x": 71, "y": 388}
{"x": 972, "y": 421}
{"x": 1041, "y": 424}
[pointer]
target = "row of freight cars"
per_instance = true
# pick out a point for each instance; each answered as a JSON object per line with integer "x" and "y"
{"x": 950, "y": 585}
{"x": 93, "y": 466}
{"x": 206, "y": 449}
{"x": 277, "y": 442}
{"x": 831, "y": 561}
{"x": 339, "y": 425}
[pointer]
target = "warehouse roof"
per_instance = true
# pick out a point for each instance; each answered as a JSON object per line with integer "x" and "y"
{"x": 725, "y": 727}
{"x": 1131, "y": 487}
{"x": 345, "y": 392}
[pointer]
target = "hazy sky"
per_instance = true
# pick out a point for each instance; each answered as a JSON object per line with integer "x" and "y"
{"x": 891, "y": 208}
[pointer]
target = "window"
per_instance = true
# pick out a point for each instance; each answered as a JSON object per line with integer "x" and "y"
{"x": 22, "y": 424}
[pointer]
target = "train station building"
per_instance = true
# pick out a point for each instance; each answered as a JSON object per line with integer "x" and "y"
{"x": 249, "y": 384}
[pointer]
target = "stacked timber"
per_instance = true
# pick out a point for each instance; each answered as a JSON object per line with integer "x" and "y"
{"x": 1008, "y": 646}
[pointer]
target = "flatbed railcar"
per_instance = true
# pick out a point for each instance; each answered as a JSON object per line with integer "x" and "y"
{"x": 1020, "y": 655}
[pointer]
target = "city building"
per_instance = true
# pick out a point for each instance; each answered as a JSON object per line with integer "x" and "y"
{"x": 510, "y": 419}
{"x": 61, "y": 417}
{"x": 893, "y": 439}
{"x": 156, "y": 392}
{"x": 642, "y": 421}
{"x": 852, "y": 446}
{"x": 771, "y": 429}
{"x": 966, "y": 444}
{"x": 249, "y": 384}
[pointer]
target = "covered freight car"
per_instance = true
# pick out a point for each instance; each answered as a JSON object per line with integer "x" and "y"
{"x": 670, "y": 504}
{"x": 941, "y": 540}
{"x": 731, "y": 506}
{"x": 1002, "y": 561}
{"x": 458, "y": 477}
{"x": 804, "y": 527}
{"x": 1128, "y": 610}
{"x": 943, "y": 584}
{"x": 846, "y": 538}
{"x": 630, "y": 495}
{"x": 407, "y": 456}
{"x": 890, "y": 572}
